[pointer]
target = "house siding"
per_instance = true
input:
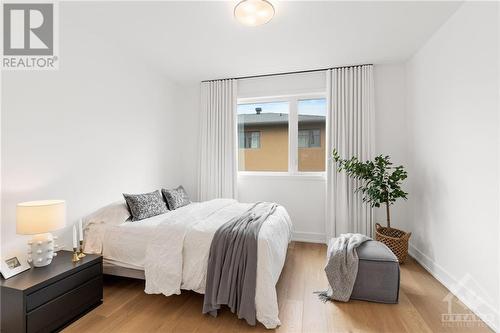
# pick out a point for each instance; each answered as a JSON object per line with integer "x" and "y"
{"x": 272, "y": 155}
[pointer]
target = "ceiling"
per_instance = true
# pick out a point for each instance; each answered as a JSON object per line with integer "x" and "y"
{"x": 192, "y": 41}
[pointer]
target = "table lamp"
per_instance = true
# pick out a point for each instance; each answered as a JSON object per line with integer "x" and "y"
{"x": 39, "y": 218}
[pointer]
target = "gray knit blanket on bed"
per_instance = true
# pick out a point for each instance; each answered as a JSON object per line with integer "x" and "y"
{"x": 342, "y": 266}
{"x": 232, "y": 264}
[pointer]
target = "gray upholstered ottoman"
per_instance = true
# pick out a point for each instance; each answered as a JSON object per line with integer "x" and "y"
{"x": 378, "y": 274}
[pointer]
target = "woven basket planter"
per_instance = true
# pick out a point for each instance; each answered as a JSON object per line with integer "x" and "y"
{"x": 395, "y": 239}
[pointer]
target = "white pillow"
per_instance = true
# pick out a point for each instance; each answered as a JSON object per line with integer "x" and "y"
{"x": 112, "y": 214}
{"x": 96, "y": 223}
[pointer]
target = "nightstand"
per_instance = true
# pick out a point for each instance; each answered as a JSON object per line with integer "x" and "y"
{"x": 46, "y": 299}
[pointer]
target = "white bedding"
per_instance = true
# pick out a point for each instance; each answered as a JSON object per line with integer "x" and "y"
{"x": 173, "y": 249}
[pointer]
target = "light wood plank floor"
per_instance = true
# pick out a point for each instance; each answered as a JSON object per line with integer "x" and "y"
{"x": 127, "y": 308}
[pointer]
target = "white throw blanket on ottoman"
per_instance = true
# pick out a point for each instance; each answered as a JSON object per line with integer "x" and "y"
{"x": 342, "y": 266}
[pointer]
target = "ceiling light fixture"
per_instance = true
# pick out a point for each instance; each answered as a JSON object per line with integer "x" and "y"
{"x": 254, "y": 12}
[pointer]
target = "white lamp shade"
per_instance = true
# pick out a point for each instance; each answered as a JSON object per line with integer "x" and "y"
{"x": 37, "y": 217}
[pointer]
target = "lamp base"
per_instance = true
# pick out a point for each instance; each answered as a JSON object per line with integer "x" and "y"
{"x": 42, "y": 249}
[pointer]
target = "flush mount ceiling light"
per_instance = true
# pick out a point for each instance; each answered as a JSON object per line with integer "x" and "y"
{"x": 254, "y": 12}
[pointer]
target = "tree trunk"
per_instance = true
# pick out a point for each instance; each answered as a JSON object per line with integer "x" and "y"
{"x": 388, "y": 214}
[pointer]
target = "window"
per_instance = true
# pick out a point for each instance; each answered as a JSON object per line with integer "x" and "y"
{"x": 263, "y": 136}
{"x": 251, "y": 140}
{"x": 283, "y": 134}
{"x": 311, "y": 134}
{"x": 309, "y": 138}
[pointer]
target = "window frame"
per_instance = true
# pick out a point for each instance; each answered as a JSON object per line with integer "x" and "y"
{"x": 293, "y": 135}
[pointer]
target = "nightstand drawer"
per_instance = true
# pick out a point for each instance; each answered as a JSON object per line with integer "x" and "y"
{"x": 61, "y": 287}
{"x": 58, "y": 312}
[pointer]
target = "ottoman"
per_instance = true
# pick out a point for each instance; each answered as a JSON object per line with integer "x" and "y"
{"x": 378, "y": 274}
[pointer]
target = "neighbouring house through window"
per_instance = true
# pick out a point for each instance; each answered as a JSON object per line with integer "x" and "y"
{"x": 285, "y": 134}
{"x": 251, "y": 140}
{"x": 311, "y": 117}
{"x": 264, "y": 126}
{"x": 309, "y": 138}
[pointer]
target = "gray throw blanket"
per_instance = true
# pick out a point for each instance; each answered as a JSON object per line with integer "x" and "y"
{"x": 232, "y": 264}
{"x": 342, "y": 266}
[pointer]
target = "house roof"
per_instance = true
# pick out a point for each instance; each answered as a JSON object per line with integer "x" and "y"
{"x": 275, "y": 119}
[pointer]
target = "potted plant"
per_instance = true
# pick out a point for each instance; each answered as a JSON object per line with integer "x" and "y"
{"x": 380, "y": 185}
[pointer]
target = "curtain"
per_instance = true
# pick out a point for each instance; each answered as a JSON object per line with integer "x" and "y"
{"x": 350, "y": 94}
{"x": 217, "y": 167}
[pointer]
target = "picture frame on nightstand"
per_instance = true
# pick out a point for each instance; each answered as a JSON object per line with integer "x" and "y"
{"x": 13, "y": 264}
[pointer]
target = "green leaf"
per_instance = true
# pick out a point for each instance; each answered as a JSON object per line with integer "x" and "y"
{"x": 380, "y": 181}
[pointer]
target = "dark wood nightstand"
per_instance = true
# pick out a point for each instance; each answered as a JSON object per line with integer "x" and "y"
{"x": 46, "y": 299}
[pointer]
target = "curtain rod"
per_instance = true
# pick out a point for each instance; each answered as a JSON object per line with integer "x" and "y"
{"x": 286, "y": 73}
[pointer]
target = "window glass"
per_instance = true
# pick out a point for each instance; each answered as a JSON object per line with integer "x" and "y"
{"x": 311, "y": 134}
{"x": 263, "y": 136}
{"x": 250, "y": 140}
{"x": 309, "y": 138}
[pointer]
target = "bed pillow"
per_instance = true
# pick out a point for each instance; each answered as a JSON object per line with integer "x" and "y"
{"x": 176, "y": 198}
{"x": 145, "y": 205}
{"x": 112, "y": 214}
{"x": 95, "y": 224}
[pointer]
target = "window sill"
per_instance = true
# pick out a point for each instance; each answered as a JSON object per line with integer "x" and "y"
{"x": 317, "y": 176}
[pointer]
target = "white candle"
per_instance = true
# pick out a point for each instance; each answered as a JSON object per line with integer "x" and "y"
{"x": 74, "y": 237}
{"x": 81, "y": 230}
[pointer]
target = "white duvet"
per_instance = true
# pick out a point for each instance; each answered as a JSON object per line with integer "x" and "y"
{"x": 173, "y": 249}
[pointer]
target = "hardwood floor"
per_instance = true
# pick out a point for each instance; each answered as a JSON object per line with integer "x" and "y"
{"x": 127, "y": 308}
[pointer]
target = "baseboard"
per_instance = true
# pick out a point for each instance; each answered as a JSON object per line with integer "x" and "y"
{"x": 309, "y": 237}
{"x": 463, "y": 293}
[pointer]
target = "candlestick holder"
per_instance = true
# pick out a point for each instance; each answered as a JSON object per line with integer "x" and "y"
{"x": 80, "y": 253}
{"x": 75, "y": 255}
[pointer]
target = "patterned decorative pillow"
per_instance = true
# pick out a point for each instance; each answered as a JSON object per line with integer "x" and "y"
{"x": 176, "y": 198}
{"x": 145, "y": 205}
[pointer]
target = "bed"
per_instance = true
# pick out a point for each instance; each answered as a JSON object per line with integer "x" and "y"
{"x": 170, "y": 251}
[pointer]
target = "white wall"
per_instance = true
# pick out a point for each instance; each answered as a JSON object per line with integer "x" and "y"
{"x": 303, "y": 197}
{"x": 187, "y": 131}
{"x": 453, "y": 129}
{"x": 99, "y": 126}
{"x": 391, "y": 131}
{"x": 313, "y": 82}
